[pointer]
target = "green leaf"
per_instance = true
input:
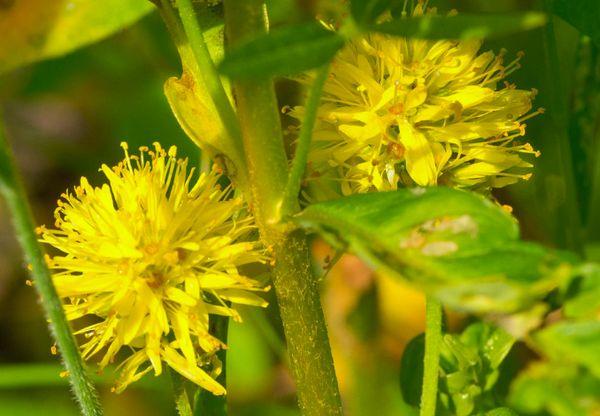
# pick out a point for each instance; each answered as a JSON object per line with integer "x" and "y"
{"x": 286, "y": 51}
{"x": 453, "y": 244}
{"x": 461, "y": 26}
{"x": 576, "y": 342}
{"x": 38, "y": 29}
{"x": 493, "y": 343}
{"x": 583, "y": 14}
{"x": 366, "y": 11}
{"x": 470, "y": 363}
{"x": 468, "y": 369}
{"x": 411, "y": 370}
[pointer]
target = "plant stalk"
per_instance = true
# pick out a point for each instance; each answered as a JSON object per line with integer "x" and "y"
{"x": 294, "y": 182}
{"x": 295, "y": 286}
{"x": 433, "y": 342}
{"x": 14, "y": 194}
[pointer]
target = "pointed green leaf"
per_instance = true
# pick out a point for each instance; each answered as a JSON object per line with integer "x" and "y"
{"x": 461, "y": 26}
{"x": 286, "y": 51}
{"x": 38, "y": 29}
{"x": 411, "y": 370}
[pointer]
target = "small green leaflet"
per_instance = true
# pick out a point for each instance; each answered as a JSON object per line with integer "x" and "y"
{"x": 469, "y": 370}
{"x": 461, "y": 26}
{"x": 453, "y": 244}
{"x": 286, "y": 51}
{"x": 411, "y": 370}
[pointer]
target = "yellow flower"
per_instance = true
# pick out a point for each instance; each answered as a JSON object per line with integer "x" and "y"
{"x": 401, "y": 112}
{"x": 149, "y": 256}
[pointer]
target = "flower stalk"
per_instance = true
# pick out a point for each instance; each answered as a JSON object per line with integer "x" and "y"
{"x": 433, "y": 341}
{"x": 298, "y": 168}
{"x": 14, "y": 194}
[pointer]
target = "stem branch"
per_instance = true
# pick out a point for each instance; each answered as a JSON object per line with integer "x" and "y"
{"x": 294, "y": 181}
{"x": 15, "y": 196}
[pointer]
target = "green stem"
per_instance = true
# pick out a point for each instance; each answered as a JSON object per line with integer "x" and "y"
{"x": 182, "y": 402}
{"x": 569, "y": 213}
{"x": 212, "y": 81}
{"x": 304, "y": 325}
{"x": 433, "y": 342}
{"x": 206, "y": 402}
{"x": 294, "y": 182}
{"x": 296, "y": 288}
{"x": 15, "y": 196}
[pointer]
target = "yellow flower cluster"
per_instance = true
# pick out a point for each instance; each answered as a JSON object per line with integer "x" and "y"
{"x": 399, "y": 112}
{"x": 146, "y": 258}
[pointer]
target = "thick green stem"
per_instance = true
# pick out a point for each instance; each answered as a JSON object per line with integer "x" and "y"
{"x": 294, "y": 182}
{"x": 305, "y": 330}
{"x": 14, "y": 194}
{"x": 433, "y": 342}
{"x": 296, "y": 288}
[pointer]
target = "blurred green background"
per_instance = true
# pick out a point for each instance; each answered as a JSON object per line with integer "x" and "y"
{"x": 66, "y": 116}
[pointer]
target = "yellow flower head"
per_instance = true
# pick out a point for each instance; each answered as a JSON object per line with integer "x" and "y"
{"x": 149, "y": 256}
{"x": 401, "y": 112}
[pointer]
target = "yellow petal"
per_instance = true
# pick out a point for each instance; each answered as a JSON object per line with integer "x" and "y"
{"x": 418, "y": 154}
{"x": 179, "y": 296}
{"x": 192, "y": 373}
{"x": 243, "y": 297}
{"x": 181, "y": 329}
{"x": 68, "y": 286}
